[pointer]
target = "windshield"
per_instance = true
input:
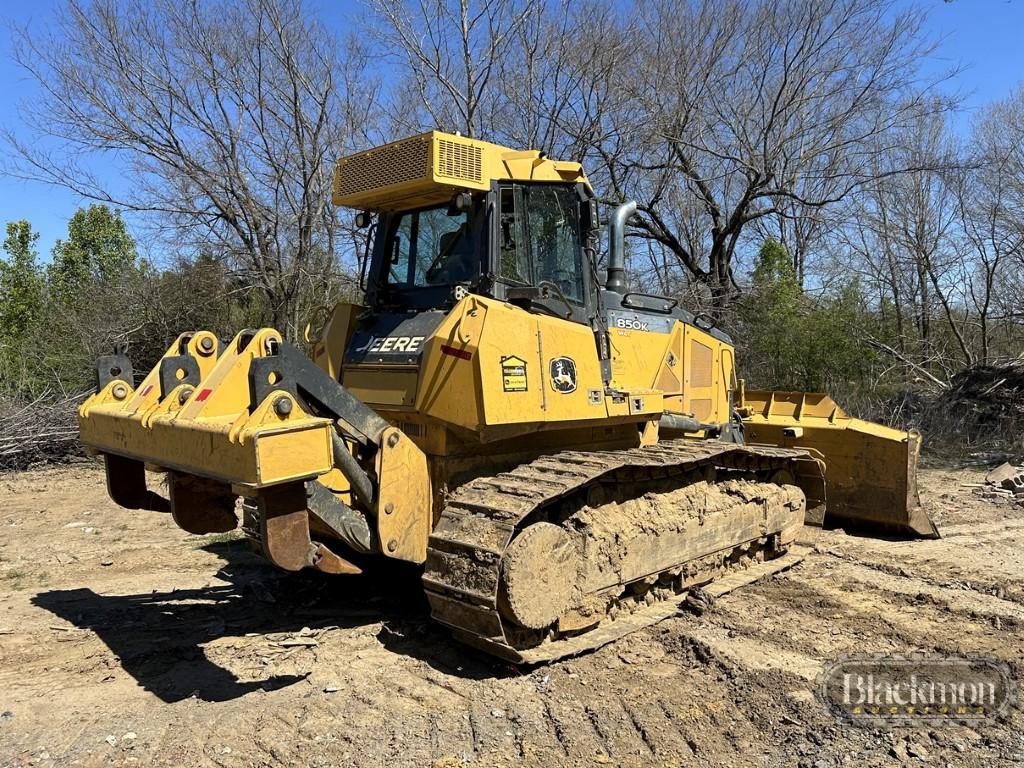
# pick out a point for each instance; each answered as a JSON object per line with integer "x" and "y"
{"x": 540, "y": 240}
{"x": 431, "y": 247}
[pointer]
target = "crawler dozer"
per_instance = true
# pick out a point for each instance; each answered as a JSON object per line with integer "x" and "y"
{"x": 566, "y": 458}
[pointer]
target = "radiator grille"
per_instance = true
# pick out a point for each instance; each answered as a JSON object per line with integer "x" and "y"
{"x": 700, "y": 364}
{"x": 393, "y": 164}
{"x": 456, "y": 160}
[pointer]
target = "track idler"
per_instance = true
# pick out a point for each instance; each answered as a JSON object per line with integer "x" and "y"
{"x": 540, "y": 576}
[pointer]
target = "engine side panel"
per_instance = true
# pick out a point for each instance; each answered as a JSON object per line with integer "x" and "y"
{"x": 694, "y": 370}
{"x": 497, "y": 371}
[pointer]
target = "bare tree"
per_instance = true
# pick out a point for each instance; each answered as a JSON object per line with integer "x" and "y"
{"x": 561, "y": 78}
{"x": 991, "y": 211}
{"x": 449, "y": 53}
{"x": 803, "y": 230}
{"x": 520, "y": 72}
{"x": 742, "y": 110}
{"x": 225, "y": 117}
{"x": 920, "y": 207}
{"x": 901, "y": 237}
{"x": 939, "y": 246}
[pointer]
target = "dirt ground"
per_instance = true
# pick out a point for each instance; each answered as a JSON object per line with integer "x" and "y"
{"x": 124, "y": 641}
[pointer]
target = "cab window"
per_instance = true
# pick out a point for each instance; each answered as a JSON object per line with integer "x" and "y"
{"x": 431, "y": 247}
{"x": 540, "y": 238}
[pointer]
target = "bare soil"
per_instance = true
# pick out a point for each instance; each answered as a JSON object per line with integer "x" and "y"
{"x": 124, "y": 641}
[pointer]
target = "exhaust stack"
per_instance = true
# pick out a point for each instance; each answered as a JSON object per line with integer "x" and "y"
{"x": 617, "y": 247}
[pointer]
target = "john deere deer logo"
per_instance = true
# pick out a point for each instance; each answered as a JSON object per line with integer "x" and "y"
{"x": 563, "y": 375}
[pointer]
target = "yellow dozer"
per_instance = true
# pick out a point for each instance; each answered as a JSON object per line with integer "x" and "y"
{"x": 567, "y": 460}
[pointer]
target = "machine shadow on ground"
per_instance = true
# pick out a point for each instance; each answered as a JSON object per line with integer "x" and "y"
{"x": 158, "y": 637}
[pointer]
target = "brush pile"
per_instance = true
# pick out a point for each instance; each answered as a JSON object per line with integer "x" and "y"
{"x": 986, "y": 394}
{"x": 982, "y": 405}
{"x": 45, "y": 429}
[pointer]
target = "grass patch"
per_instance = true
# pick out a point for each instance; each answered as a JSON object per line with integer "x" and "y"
{"x": 19, "y": 578}
{"x": 15, "y": 577}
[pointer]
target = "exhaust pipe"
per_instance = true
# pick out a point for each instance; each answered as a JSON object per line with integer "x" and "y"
{"x": 617, "y": 247}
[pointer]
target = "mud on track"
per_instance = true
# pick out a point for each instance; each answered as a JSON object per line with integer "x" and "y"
{"x": 124, "y": 641}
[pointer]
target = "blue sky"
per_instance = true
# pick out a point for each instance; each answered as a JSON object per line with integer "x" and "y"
{"x": 985, "y": 36}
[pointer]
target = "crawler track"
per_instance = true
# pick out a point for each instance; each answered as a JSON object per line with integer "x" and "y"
{"x": 587, "y": 494}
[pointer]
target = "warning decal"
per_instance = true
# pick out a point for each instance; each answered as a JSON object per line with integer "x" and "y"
{"x": 513, "y": 374}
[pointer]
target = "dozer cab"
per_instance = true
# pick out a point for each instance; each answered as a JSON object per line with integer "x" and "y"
{"x": 566, "y": 459}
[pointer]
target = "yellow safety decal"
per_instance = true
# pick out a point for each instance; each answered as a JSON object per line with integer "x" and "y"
{"x": 513, "y": 374}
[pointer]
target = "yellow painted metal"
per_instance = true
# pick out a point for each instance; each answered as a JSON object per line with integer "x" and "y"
{"x": 390, "y": 387}
{"x": 428, "y": 169}
{"x": 870, "y": 469}
{"x": 404, "y": 501}
{"x": 335, "y": 481}
{"x": 329, "y": 348}
{"x": 207, "y": 429}
{"x": 488, "y": 370}
{"x": 691, "y": 368}
{"x": 490, "y": 387}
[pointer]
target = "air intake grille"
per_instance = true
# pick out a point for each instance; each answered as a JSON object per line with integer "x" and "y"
{"x": 700, "y": 366}
{"x": 394, "y": 164}
{"x": 459, "y": 161}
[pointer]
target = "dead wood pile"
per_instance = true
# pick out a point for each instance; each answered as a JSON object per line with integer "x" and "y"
{"x": 45, "y": 429}
{"x": 989, "y": 395}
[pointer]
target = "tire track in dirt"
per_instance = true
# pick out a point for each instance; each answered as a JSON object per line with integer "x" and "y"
{"x": 975, "y": 587}
{"x": 530, "y": 717}
{"x": 973, "y": 603}
{"x": 620, "y": 737}
{"x": 651, "y": 720}
{"x": 641, "y": 730}
{"x": 754, "y": 653}
{"x": 574, "y": 727}
{"x": 983, "y": 557}
{"x": 732, "y": 687}
{"x": 764, "y": 630}
{"x": 853, "y": 598}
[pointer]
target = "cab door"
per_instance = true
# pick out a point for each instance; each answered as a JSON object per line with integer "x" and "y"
{"x": 538, "y": 245}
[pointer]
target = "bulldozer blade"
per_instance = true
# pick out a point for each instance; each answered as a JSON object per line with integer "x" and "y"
{"x": 870, "y": 469}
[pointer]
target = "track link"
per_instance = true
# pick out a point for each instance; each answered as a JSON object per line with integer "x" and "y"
{"x": 463, "y": 574}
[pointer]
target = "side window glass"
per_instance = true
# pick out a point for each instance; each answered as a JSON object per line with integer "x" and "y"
{"x": 431, "y": 247}
{"x": 514, "y": 259}
{"x": 553, "y": 226}
{"x": 444, "y": 248}
{"x": 400, "y": 264}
